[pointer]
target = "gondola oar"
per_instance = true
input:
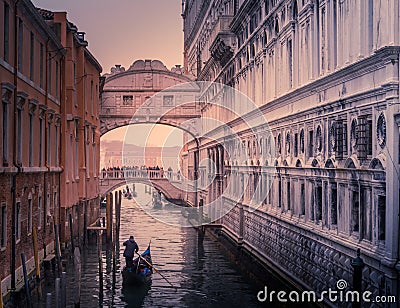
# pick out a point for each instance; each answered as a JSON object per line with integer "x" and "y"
{"x": 157, "y": 271}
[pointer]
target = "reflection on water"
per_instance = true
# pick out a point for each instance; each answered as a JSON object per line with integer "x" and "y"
{"x": 202, "y": 275}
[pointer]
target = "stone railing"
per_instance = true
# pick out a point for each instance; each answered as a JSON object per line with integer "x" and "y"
{"x": 139, "y": 173}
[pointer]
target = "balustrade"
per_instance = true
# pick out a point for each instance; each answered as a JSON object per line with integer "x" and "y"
{"x": 132, "y": 173}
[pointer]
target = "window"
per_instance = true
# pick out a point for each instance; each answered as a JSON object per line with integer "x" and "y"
{"x": 19, "y": 136}
{"x": 40, "y": 211}
{"x": 279, "y": 193}
{"x": 57, "y": 132}
{"x": 5, "y": 133}
{"x": 319, "y": 203}
{"x": 57, "y": 80}
{"x": 41, "y": 60}
{"x": 47, "y": 210}
{"x": 381, "y": 218}
{"x": 302, "y": 199}
{"x": 288, "y": 194}
{"x": 40, "y": 142}
{"x": 369, "y": 137}
{"x": 94, "y": 160}
{"x": 32, "y": 58}
{"x": 30, "y": 139}
{"x": 6, "y": 33}
{"x": 49, "y": 75}
{"x": 296, "y": 145}
{"x": 290, "y": 62}
{"x": 29, "y": 216}
{"x": 168, "y": 100}
{"x": 311, "y": 143}
{"x": 355, "y": 212}
{"x": 76, "y": 149}
{"x": 366, "y": 214}
{"x": 127, "y": 100}
{"x": 92, "y": 97}
{"x": 334, "y": 204}
{"x": 95, "y": 98}
{"x": 3, "y": 226}
{"x": 55, "y": 202}
{"x": 20, "y": 44}
{"x": 49, "y": 149}
{"x": 18, "y": 220}
{"x": 74, "y": 75}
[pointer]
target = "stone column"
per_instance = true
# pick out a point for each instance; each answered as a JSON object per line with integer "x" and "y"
{"x": 392, "y": 182}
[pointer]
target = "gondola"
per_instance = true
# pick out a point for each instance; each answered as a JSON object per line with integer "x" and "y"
{"x": 140, "y": 272}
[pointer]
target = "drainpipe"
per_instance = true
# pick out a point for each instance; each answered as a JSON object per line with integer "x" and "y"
{"x": 15, "y": 162}
{"x": 60, "y": 132}
{"x": 86, "y": 174}
{"x": 46, "y": 86}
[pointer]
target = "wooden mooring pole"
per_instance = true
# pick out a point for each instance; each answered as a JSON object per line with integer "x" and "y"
{"x": 118, "y": 216}
{"x": 48, "y": 300}
{"x": 1, "y": 296}
{"x": 57, "y": 248}
{"x": 116, "y": 238}
{"x": 57, "y": 293}
{"x": 78, "y": 270}
{"x": 26, "y": 281}
{"x": 109, "y": 217}
{"x": 63, "y": 290}
{"x": 71, "y": 231}
{"x": 36, "y": 252}
{"x": 100, "y": 261}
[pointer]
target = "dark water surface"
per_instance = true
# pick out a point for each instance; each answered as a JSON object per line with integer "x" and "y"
{"x": 201, "y": 272}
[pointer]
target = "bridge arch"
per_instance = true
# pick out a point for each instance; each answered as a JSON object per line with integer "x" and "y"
{"x": 159, "y": 186}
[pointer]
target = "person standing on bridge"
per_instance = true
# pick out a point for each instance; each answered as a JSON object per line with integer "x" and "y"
{"x": 130, "y": 249}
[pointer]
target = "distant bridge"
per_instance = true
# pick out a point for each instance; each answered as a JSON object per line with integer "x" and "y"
{"x": 169, "y": 183}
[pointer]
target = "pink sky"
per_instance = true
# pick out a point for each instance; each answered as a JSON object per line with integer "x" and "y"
{"x": 121, "y": 31}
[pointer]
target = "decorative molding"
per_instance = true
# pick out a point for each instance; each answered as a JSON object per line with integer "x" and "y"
{"x": 21, "y": 99}
{"x": 33, "y": 103}
{"x": 42, "y": 111}
{"x": 381, "y": 130}
{"x": 6, "y": 92}
{"x": 50, "y": 115}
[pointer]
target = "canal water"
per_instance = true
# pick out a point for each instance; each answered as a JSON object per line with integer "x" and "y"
{"x": 202, "y": 273}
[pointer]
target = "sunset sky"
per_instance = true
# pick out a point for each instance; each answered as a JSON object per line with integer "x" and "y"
{"x": 122, "y": 31}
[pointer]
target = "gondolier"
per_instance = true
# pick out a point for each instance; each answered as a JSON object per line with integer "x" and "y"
{"x": 130, "y": 249}
{"x": 141, "y": 271}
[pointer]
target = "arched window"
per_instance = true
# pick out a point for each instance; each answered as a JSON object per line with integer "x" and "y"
{"x": 276, "y": 27}
{"x": 295, "y": 11}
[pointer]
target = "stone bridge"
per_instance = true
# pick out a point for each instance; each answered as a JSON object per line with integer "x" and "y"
{"x": 147, "y": 92}
{"x": 167, "y": 182}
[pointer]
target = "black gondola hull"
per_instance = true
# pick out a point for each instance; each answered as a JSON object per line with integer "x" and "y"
{"x": 133, "y": 279}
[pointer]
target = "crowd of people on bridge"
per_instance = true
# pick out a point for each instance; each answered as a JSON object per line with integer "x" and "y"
{"x": 134, "y": 171}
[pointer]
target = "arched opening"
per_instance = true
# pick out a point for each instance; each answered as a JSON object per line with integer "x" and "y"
{"x": 378, "y": 163}
{"x": 141, "y": 145}
{"x": 330, "y": 163}
{"x": 351, "y": 163}
{"x": 276, "y": 27}
{"x": 295, "y": 11}
{"x": 315, "y": 163}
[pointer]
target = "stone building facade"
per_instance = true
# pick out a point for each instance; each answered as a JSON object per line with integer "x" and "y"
{"x": 325, "y": 74}
{"x": 30, "y": 65}
{"x": 80, "y": 139}
{"x": 35, "y": 77}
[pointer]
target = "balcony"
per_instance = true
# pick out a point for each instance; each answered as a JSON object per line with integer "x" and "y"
{"x": 223, "y": 40}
